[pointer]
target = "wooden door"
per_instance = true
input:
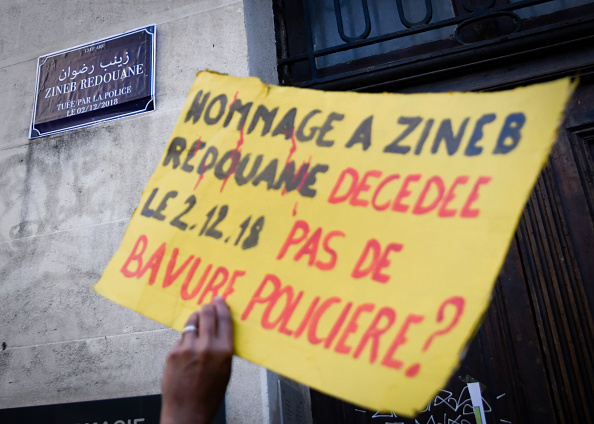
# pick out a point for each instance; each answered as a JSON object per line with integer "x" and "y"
{"x": 534, "y": 353}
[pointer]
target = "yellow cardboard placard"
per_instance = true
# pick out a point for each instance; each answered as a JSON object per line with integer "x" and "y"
{"x": 356, "y": 237}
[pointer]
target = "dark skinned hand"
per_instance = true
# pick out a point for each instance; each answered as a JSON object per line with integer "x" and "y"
{"x": 198, "y": 367}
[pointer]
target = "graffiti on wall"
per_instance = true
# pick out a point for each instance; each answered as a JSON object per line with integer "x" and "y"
{"x": 446, "y": 407}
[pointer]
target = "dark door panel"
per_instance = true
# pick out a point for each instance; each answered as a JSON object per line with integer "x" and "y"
{"x": 534, "y": 353}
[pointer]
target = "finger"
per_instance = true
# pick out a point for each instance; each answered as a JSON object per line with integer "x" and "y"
{"x": 208, "y": 323}
{"x": 224, "y": 321}
{"x": 189, "y": 337}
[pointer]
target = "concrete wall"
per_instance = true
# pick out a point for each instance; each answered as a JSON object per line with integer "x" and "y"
{"x": 65, "y": 200}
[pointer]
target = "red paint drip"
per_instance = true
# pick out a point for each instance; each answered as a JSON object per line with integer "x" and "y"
{"x": 239, "y": 143}
{"x": 198, "y": 142}
{"x": 305, "y": 175}
{"x": 199, "y": 179}
{"x": 235, "y": 162}
{"x": 196, "y": 151}
{"x": 295, "y": 209}
{"x": 292, "y": 150}
{"x": 234, "y": 100}
{"x": 237, "y": 148}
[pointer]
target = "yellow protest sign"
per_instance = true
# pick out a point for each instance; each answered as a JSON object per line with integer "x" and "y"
{"x": 356, "y": 237}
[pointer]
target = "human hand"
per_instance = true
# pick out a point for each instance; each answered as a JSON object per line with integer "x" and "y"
{"x": 198, "y": 368}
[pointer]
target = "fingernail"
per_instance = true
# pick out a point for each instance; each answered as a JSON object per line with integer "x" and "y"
{"x": 219, "y": 299}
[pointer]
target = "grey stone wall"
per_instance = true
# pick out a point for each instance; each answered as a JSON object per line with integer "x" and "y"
{"x": 65, "y": 200}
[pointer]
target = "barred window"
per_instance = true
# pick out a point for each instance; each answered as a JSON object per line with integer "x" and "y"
{"x": 324, "y": 41}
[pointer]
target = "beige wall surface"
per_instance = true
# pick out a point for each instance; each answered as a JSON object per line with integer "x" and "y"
{"x": 65, "y": 199}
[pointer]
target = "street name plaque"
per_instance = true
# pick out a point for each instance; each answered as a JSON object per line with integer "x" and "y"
{"x": 95, "y": 82}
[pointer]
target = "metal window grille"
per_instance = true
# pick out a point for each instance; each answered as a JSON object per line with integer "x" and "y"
{"x": 321, "y": 41}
